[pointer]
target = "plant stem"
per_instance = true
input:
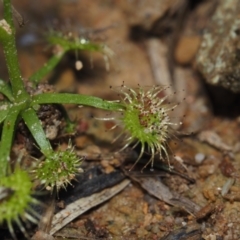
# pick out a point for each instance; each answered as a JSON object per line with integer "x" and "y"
{"x": 10, "y": 52}
{"x": 34, "y": 125}
{"x": 7, "y": 136}
{"x": 49, "y": 66}
{"x": 4, "y": 109}
{"x": 7, "y": 13}
{"x": 5, "y": 89}
{"x": 68, "y": 98}
{"x": 78, "y": 44}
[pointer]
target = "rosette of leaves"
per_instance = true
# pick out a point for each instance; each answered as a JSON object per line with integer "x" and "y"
{"x": 18, "y": 104}
{"x": 58, "y": 169}
{"x": 146, "y": 121}
{"x": 16, "y": 200}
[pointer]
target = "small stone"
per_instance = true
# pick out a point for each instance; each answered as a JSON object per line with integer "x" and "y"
{"x": 78, "y": 65}
{"x": 186, "y": 49}
{"x": 199, "y": 157}
{"x": 155, "y": 228}
{"x": 51, "y": 132}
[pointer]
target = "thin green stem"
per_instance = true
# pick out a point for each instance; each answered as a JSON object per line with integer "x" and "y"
{"x": 47, "y": 68}
{"x": 7, "y": 14}
{"x": 10, "y": 52}
{"x": 4, "y": 109}
{"x": 77, "y": 44}
{"x": 7, "y": 136}
{"x": 34, "y": 125}
{"x": 5, "y": 89}
{"x": 68, "y": 98}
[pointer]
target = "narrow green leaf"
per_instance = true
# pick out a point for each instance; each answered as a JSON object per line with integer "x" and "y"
{"x": 4, "y": 109}
{"x": 74, "y": 44}
{"x": 8, "y": 13}
{"x": 34, "y": 125}
{"x": 7, "y": 38}
{"x": 47, "y": 68}
{"x": 5, "y": 89}
{"x": 68, "y": 98}
{"x": 6, "y": 140}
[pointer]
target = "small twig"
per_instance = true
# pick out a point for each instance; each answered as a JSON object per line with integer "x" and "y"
{"x": 213, "y": 139}
{"x": 157, "y": 52}
{"x": 80, "y": 206}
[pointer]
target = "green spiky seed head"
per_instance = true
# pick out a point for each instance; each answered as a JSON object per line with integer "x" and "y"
{"x": 146, "y": 120}
{"x": 58, "y": 169}
{"x": 16, "y": 198}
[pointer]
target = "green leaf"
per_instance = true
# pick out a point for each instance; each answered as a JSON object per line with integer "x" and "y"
{"x": 7, "y": 136}
{"x": 5, "y": 89}
{"x": 74, "y": 44}
{"x": 8, "y": 13}
{"x": 4, "y": 109}
{"x": 7, "y": 38}
{"x": 47, "y": 68}
{"x": 34, "y": 125}
{"x": 68, "y": 98}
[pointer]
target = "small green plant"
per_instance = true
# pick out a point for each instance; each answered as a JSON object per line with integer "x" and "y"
{"x": 57, "y": 168}
{"x": 65, "y": 162}
{"x": 146, "y": 121}
{"x": 16, "y": 203}
{"x": 144, "y": 117}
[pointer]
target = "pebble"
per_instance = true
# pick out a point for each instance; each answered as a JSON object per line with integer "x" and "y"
{"x": 186, "y": 49}
{"x": 199, "y": 157}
